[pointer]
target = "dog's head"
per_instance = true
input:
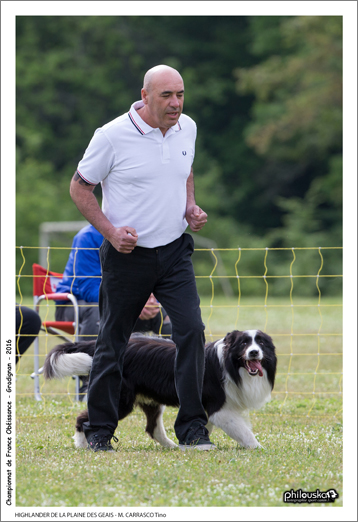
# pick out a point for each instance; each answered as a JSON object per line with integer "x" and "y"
{"x": 252, "y": 350}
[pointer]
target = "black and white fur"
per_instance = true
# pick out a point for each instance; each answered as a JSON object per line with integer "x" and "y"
{"x": 239, "y": 376}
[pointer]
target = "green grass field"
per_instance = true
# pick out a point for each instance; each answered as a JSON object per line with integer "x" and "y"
{"x": 300, "y": 429}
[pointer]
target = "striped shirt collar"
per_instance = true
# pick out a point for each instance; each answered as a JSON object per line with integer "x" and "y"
{"x": 141, "y": 126}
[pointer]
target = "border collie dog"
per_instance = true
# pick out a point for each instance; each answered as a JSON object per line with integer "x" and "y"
{"x": 239, "y": 376}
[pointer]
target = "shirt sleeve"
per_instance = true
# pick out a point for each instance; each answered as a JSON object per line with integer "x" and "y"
{"x": 97, "y": 160}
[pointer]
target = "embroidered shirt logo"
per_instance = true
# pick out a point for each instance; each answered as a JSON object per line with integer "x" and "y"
{"x": 184, "y": 152}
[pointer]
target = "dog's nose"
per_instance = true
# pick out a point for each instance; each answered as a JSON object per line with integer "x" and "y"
{"x": 253, "y": 354}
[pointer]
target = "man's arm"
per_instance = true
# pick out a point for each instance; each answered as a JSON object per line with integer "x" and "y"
{"x": 195, "y": 216}
{"x": 124, "y": 239}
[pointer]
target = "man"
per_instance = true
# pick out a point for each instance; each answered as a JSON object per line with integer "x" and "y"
{"x": 143, "y": 159}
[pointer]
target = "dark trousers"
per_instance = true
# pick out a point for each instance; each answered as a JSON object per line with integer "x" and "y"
{"x": 28, "y": 324}
{"x": 127, "y": 282}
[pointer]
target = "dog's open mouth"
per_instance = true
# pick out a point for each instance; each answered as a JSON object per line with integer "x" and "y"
{"x": 254, "y": 367}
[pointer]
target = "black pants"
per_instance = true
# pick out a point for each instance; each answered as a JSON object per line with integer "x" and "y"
{"x": 127, "y": 282}
{"x": 28, "y": 324}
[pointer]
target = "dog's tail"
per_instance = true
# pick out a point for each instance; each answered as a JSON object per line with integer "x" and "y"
{"x": 69, "y": 359}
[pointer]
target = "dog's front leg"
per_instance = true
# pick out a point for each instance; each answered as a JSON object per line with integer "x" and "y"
{"x": 234, "y": 425}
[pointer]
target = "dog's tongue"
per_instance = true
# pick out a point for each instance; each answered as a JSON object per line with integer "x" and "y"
{"x": 256, "y": 365}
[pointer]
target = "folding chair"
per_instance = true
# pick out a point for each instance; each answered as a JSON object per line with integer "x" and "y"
{"x": 44, "y": 288}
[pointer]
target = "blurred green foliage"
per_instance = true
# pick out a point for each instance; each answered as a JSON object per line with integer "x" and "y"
{"x": 266, "y": 93}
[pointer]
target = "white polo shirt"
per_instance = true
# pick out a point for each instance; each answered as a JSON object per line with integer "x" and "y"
{"x": 143, "y": 175}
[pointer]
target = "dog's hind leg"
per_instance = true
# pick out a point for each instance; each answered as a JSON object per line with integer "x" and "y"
{"x": 79, "y": 436}
{"x": 155, "y": 426}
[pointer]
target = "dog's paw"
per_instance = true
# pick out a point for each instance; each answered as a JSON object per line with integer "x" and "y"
{"x": 80, "y": 440}
{"x": 168, "y": 444}
{"x": 251, "y": 444}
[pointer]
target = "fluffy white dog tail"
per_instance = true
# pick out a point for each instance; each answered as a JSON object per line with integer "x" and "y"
{"x": 68, "y": 364}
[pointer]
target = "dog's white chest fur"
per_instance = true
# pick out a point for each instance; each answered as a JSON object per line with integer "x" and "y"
{"x": 253, "y": 393}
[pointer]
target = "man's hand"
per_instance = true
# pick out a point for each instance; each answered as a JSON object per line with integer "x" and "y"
{"x": 150, "y": 310}
{"x": 124, "y": 239}
{"x": 196, "y": 218}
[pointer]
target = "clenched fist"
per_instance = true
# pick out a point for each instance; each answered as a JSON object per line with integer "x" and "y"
{"x": 124, "y": 239}
{"x": 196, "y": 218}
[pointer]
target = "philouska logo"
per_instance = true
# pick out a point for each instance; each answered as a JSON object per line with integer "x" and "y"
{"x": 300, "y": 496}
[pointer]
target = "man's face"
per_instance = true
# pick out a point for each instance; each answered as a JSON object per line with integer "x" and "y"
{"x": 164, "y": 100}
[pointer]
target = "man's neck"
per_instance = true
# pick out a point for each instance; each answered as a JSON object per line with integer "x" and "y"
{"x": 163, "y": 130}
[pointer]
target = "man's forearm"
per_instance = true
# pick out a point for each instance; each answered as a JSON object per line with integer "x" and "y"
{"x": 86, "y": 202}
{"x": 124, "y": 239}
{"x": 190, "y": 190}
{"x": 194, "y": 215}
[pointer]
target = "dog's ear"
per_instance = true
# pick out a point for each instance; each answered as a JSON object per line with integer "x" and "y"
{"x": 231, "y": 337}
{"x": 268, "y": 340}
{"x": 230, "y": 355}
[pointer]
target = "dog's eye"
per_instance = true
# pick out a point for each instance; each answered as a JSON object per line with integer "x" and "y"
{"x": 261, "y": 343}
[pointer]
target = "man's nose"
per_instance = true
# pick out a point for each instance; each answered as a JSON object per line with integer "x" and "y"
{"x": 174, "y": 101}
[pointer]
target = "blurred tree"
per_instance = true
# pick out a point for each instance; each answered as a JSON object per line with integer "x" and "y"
{"x": 297, "y": 123}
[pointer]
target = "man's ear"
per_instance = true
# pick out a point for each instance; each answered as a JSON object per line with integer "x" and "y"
{"x": 144, "y": 95}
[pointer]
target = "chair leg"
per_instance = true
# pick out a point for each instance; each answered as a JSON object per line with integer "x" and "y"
{"x": 36, "y": 370}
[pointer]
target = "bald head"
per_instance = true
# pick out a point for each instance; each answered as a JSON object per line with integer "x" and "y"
{"x": 163, "y": 97}
{"x": 157, "y": 73}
